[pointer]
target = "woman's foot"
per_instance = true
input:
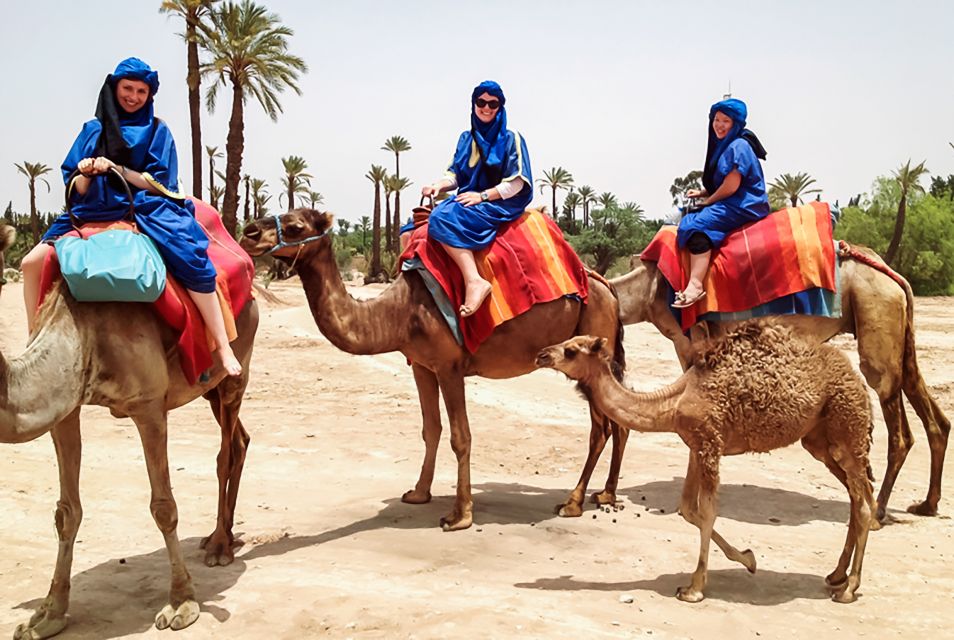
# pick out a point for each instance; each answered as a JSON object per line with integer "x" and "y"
{"x": 228, "y": 361}
{"x": 688, "y": 297}
{"x": 477, "y": 292}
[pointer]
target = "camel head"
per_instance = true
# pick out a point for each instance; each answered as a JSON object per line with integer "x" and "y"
{"x": 8, "y": 236}
{"x": 580, "y": 357}
{"x": 288, "y": 235}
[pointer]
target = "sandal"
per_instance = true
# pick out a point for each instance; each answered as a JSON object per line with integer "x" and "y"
{"x": 682, "y": 302}
{"x": 466, "y": 311}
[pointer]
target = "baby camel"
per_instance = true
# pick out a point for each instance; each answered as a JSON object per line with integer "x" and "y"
{"x": 759, "y": 388}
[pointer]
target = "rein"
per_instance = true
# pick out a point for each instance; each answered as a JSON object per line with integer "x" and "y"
{"x": 298, "y": 243}
{"x": 847, "y": 251}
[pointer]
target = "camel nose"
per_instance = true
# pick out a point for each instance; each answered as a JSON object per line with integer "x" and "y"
{"x": 543, "y": 359}
{"x": 252, "y": 231}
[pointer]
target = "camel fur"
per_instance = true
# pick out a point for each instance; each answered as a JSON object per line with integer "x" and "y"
{"x": 112, "y": 355}
{"x": 877, "y": 310}
{"x": 405, "y": 318}
{"x": 760, "y": 388}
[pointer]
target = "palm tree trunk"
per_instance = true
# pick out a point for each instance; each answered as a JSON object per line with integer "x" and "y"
{"x": 291, "y": 192}
{"x": 397, "y": 220}
{"x": 794, "y": 200}
{"x": 234, "y": 147}
{"x": 211, "y": 175}
{"x": 376, "y": 233}
{"x": 895, "y": 243}
{"x": 192, "y": 80}
{"x": 34, "y": 218}
{"x": 388, "y": 239}
{"x": 554, "y": 212}
{"x": 245, "y": 211}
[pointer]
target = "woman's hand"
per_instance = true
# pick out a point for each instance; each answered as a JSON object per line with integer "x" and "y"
{"x": 430, "y": 190}
{"x": 95, "y": 166}
{"x": 468, "y": 199}
{"x": 696, "y": 193}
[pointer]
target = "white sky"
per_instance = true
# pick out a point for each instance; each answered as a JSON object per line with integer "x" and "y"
{"x": 617, "y": 91}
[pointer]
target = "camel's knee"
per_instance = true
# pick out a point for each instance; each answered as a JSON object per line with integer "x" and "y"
{"x": 68, "y": 518}
{"x": 165, "y": 513}
{"x": 460, "y": 443}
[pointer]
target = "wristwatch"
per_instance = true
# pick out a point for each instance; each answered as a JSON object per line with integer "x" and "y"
{"x": 484, "y": 197}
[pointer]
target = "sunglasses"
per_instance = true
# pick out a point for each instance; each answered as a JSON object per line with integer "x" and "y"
{"x": 490, "y": 104}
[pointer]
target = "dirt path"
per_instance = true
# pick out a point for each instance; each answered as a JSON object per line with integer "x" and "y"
{"x": 331, "y": 551}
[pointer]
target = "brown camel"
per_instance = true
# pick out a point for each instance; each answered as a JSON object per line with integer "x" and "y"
{"x": 761, "y": 388}
{"x": 878, "y": 311}
{"x": 106, "y": 354}
{"x": 8, "y": 236}
{"x": 405, "y": 318}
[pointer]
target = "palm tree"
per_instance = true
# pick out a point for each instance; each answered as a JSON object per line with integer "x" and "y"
{"x": 909, "y": 179}
{"x": 213, "y": 153}
{"x": 315, "y": 198}
{"x": 215, "y": 194}
{"x": 692, "y": 180}
{"x": 261, "y": 200}
{"x": 258, "y": 192}
{"x": 396, "y": 145}
{"x": 587, "y": 197}
{"x": 248, "y": 49}
{"x": 607, "y": 200}
{"x": 377, "y": 176}
{"x": 245, "y": 211}
{"x": 386, "y": 183}
{"x": 397, "y": 186}
{"x": 296, "y": 180}
{"x": 33, "y": 172}
{"x": 193, "y": 12}
{"x": 790, "y": 188}
{"x": 570, "y": 203}
{"x": 344, "y": 225}
{"x": 365, "y": 227}
{"x": 633, "y": 209}
{"x": 555, "y": 178}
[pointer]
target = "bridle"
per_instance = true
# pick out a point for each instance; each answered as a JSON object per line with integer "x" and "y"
{"x": 282, "y": 243}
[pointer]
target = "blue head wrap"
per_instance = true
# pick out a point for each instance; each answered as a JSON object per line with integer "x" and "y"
{"x": 121, "y": 130}
{"x": 491, "y": 137}
{"x": 735, "y": 109}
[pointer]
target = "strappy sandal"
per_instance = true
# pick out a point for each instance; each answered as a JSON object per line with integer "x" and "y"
{"x": 682, "y": 302}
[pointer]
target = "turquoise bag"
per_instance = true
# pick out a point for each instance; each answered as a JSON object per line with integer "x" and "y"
{"x": 111, "y": 266}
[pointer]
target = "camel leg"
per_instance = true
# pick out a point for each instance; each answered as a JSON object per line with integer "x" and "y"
{"x": 860, "y": 494}
{"x": 900, "y": 442}
{"x": 428, "y": 394}
{"x": 599, "y": 431}
{"x": 50, "y": 618}
{"x": 182, "y": 609}
{"x": 689, "y": 509}
{"x": 452, "y": 388}
{"x": 938, "y": 429}
{"x": 705, "y": 474}
{"x": 226, "y": 400}
{"x": 608, "y": 495}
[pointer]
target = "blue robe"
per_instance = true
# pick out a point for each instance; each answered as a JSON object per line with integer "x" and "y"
{"x": 170, "y": 223}
{"x": 475, "y": 227}
{"x": 748, "y": 204}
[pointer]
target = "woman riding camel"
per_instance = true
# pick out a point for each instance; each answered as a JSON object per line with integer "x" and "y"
{"x": 491, "y": 172}
{"x": 734, "y": 193}
{"x": 125, "y": 136}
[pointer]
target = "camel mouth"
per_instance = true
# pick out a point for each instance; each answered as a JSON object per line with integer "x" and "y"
{"x": 252, "y": 247}
{"x": 544, "y": 359}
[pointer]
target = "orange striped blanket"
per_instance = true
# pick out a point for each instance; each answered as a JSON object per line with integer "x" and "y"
{"x": 787, "y": 252}
{"x": 529, "y": 263}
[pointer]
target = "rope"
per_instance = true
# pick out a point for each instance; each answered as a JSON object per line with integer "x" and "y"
{"x": 847, "y": 251}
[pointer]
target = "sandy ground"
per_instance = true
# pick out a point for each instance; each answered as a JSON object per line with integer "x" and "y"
{"x": 330, "y": 551}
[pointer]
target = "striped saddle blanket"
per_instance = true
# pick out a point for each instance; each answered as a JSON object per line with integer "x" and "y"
{"x": 782, "y": 264}
{"x": 529, "y": 263}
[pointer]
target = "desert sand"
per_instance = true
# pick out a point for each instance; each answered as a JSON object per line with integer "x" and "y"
{"x": 330, "y": 551}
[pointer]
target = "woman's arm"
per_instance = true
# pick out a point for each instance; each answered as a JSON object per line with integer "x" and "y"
{"x": 92, "y": 167}
{"x": 729, "y": 186}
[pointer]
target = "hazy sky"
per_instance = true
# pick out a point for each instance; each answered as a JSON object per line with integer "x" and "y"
{"x": 617, "y": 92}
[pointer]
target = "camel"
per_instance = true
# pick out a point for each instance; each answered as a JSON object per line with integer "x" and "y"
{"x": 878, "y": 310}
{"x": 405, "y": 318}
{"x": 761, "y": 388}
{"x": 8, "y": 236}
{"x": 106, "y": 354}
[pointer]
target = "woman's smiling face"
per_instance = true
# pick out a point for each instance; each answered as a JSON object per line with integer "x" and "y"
{"x": 487, "y": 112}
{"x": 721, "y": 125}
{"x": 131, "y": 94}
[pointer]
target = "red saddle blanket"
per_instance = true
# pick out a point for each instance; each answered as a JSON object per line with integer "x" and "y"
{"x": 233, "y": 282}
{"x": 529, "y": 263}
{"x": 788, "y": 251}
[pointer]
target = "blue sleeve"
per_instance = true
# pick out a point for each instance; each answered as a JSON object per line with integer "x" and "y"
{"x": 83, "y": 147}
{"x": 162, "y": 162}
{"x": 738, "y": 156}
{"x": 459, "y": 163}
{"x": 518, "y": 160}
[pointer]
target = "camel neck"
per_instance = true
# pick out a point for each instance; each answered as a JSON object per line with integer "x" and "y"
{"x": 649, "y": 412}
{"x": 361, "y": 327}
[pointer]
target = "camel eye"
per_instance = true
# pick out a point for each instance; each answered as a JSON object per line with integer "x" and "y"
{"x": 569, "y": 353}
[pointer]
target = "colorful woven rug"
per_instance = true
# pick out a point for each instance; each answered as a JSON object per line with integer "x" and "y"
{"x": 529, "y": 263}
{"x": 784, "y": 263}
{"x": 233, "y": 284}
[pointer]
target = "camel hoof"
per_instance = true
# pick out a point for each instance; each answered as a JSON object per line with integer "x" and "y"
{"x": 603, "y": 497}
{"x": 177, "y": 618}
{"x": 568, "y": 510}
{"x": 688, "y": 594}
{"x": 875, "y": 525}
{"x": 923, "y": 509}
{"x": 416, "y": 497}
{"x": 456, "y": 523}
{"x": 844, "y": 596}
{"x": 835, "y": 583}
{"x": 748, "y": 560}
{"x": 39, "y": 627}
{"x": 217, "y": 553}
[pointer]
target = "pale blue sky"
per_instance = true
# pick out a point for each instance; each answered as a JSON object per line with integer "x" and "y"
{"x": 617, "y": 92}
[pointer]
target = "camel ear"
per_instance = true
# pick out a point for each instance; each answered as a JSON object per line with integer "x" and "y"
{"x": 596, "y": 345}
{"x": 322, "y": 220}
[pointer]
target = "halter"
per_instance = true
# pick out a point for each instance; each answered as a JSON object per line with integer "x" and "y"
{"x": 281, "y": 241}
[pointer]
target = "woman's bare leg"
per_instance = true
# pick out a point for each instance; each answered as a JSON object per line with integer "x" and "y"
{"x": 208, "y": 304}
{"x": 477, "y": 288}
{"x": 32, "y": 266}
{"x": 698, "y": 266}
